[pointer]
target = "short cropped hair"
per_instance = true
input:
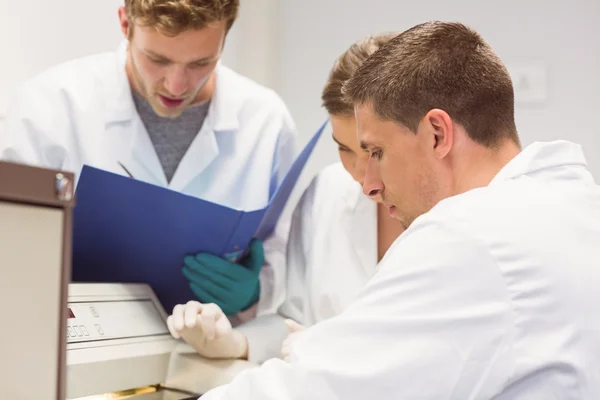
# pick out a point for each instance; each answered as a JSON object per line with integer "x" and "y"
{"x": 443, "y": 65}
{"x": 344, "y": 67}
{"x": 172, "y": 17}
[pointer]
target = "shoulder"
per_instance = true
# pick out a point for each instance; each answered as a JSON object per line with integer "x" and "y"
{"x": 335, "y": 178}
{"x": 331, "y": 189}
{"x": 250, "y": 94}
{"x": 60, "y": 87}
{"x": 483, "y": 211}
{"x": 73, "y": 74}
{"x": 439, "y": 249}
{"x": 477, "y": 222}
{"x": 55, "y": 93}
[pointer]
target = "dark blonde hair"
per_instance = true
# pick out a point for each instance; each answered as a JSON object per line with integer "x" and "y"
{"x": 173, "y": 17}
{"x": 343, "y": 68}
{"x": 443, "y": 65}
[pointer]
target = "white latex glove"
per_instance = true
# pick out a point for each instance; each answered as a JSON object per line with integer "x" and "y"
{"x": 294, "y": 329}
{"x": 207, "y": 329}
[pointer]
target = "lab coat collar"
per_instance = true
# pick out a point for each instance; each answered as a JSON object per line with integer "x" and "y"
{"x": 221, "y": 117}
{"x": 353, "y": 195}
{"x": 541, "y": 156}
{"x": 362, "y": 226}
{"x": 123, "y": 123}
{"x": 222, "y": 113}
{"x": 118, "y": 98}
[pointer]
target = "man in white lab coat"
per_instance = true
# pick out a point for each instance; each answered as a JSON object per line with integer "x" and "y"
{"x": 162, "y": 109}
{"x": 492, "y": 291}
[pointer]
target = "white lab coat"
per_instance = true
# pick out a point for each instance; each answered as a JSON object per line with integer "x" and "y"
{"x": 82, "y": 112}
{"x": 332, "y": 253}
{"x": 493, "y": 294}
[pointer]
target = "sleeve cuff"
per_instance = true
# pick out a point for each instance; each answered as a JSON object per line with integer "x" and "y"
{"x": 265, "y": 337}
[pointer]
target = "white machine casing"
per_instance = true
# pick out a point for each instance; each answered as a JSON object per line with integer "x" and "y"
{"x": 118, "y": 341}
{"x": 36, "y": 208}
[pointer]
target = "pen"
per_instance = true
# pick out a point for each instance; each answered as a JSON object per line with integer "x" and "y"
{"x": 126, "y": 170}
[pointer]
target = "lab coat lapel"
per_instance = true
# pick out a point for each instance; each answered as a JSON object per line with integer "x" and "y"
{"x": 361, "y": 226}
{"x": 125, "y": 133}
{"x": 132, "y": 155}
{"x": 143, "y": 155}
{"x": 202, "y": 152}
{"x": 221, "y": 119}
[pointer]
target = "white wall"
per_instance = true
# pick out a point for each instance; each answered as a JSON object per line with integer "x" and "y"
{"x": 562, "y": 36}
{"x": 38, "y": 33}
{"x": 252, "y": 46}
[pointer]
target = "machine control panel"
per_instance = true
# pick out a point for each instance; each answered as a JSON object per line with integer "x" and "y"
{"x": 106, "y": 320}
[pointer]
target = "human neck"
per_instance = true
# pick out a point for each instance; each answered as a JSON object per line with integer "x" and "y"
{"x": 482, "y": 164}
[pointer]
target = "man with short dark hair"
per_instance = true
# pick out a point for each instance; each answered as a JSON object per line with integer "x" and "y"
{"x": 443, "y": 84}
{"x": 491, "y": 291}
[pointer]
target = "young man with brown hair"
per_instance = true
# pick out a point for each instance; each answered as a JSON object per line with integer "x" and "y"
{"x": 162, "y": 109}
{"x": 491, "y": 291}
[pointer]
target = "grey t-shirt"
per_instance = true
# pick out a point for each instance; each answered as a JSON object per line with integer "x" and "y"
{"x": 171, "y": 137}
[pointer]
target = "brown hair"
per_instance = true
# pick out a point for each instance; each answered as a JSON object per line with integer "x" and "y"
{"x": 343, "y": 68}
{"x": 442, "y": 65}
{"x": 173, "y": 17}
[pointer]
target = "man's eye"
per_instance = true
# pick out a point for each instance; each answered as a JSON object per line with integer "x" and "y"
{"x": 159, "y": 61}
{"x": 199, "y": 64}
{"x": 376, "y": 154}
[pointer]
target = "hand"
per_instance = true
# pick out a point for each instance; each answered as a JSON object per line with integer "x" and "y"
{"x": 233, "y": 287}
{"x": 207, "y": 330}
{"x": 294, "y": 330}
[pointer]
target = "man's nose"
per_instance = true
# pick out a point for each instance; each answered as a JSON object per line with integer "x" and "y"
{"x": 176, "y": 82}
{"x": 372, "y": 184}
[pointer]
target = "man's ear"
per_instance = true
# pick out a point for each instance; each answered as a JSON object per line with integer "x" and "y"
{"x": 124, "y": 22}
{"x": 443, "y": 130}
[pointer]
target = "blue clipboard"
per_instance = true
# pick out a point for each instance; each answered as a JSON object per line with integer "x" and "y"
{"x": 129, "y": 231}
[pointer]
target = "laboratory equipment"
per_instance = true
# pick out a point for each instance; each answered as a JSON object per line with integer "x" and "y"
{"x": 80, "y": 341}
{"x": 119, "y": 347}
{"x": 35, "y": 248}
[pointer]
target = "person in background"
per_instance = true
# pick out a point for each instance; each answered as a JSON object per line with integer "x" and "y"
{"x": 338, "y": 235}
{"x": 164, "y": 110}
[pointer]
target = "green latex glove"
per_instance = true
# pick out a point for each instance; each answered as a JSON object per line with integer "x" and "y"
{"x": 233, "y": 287}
